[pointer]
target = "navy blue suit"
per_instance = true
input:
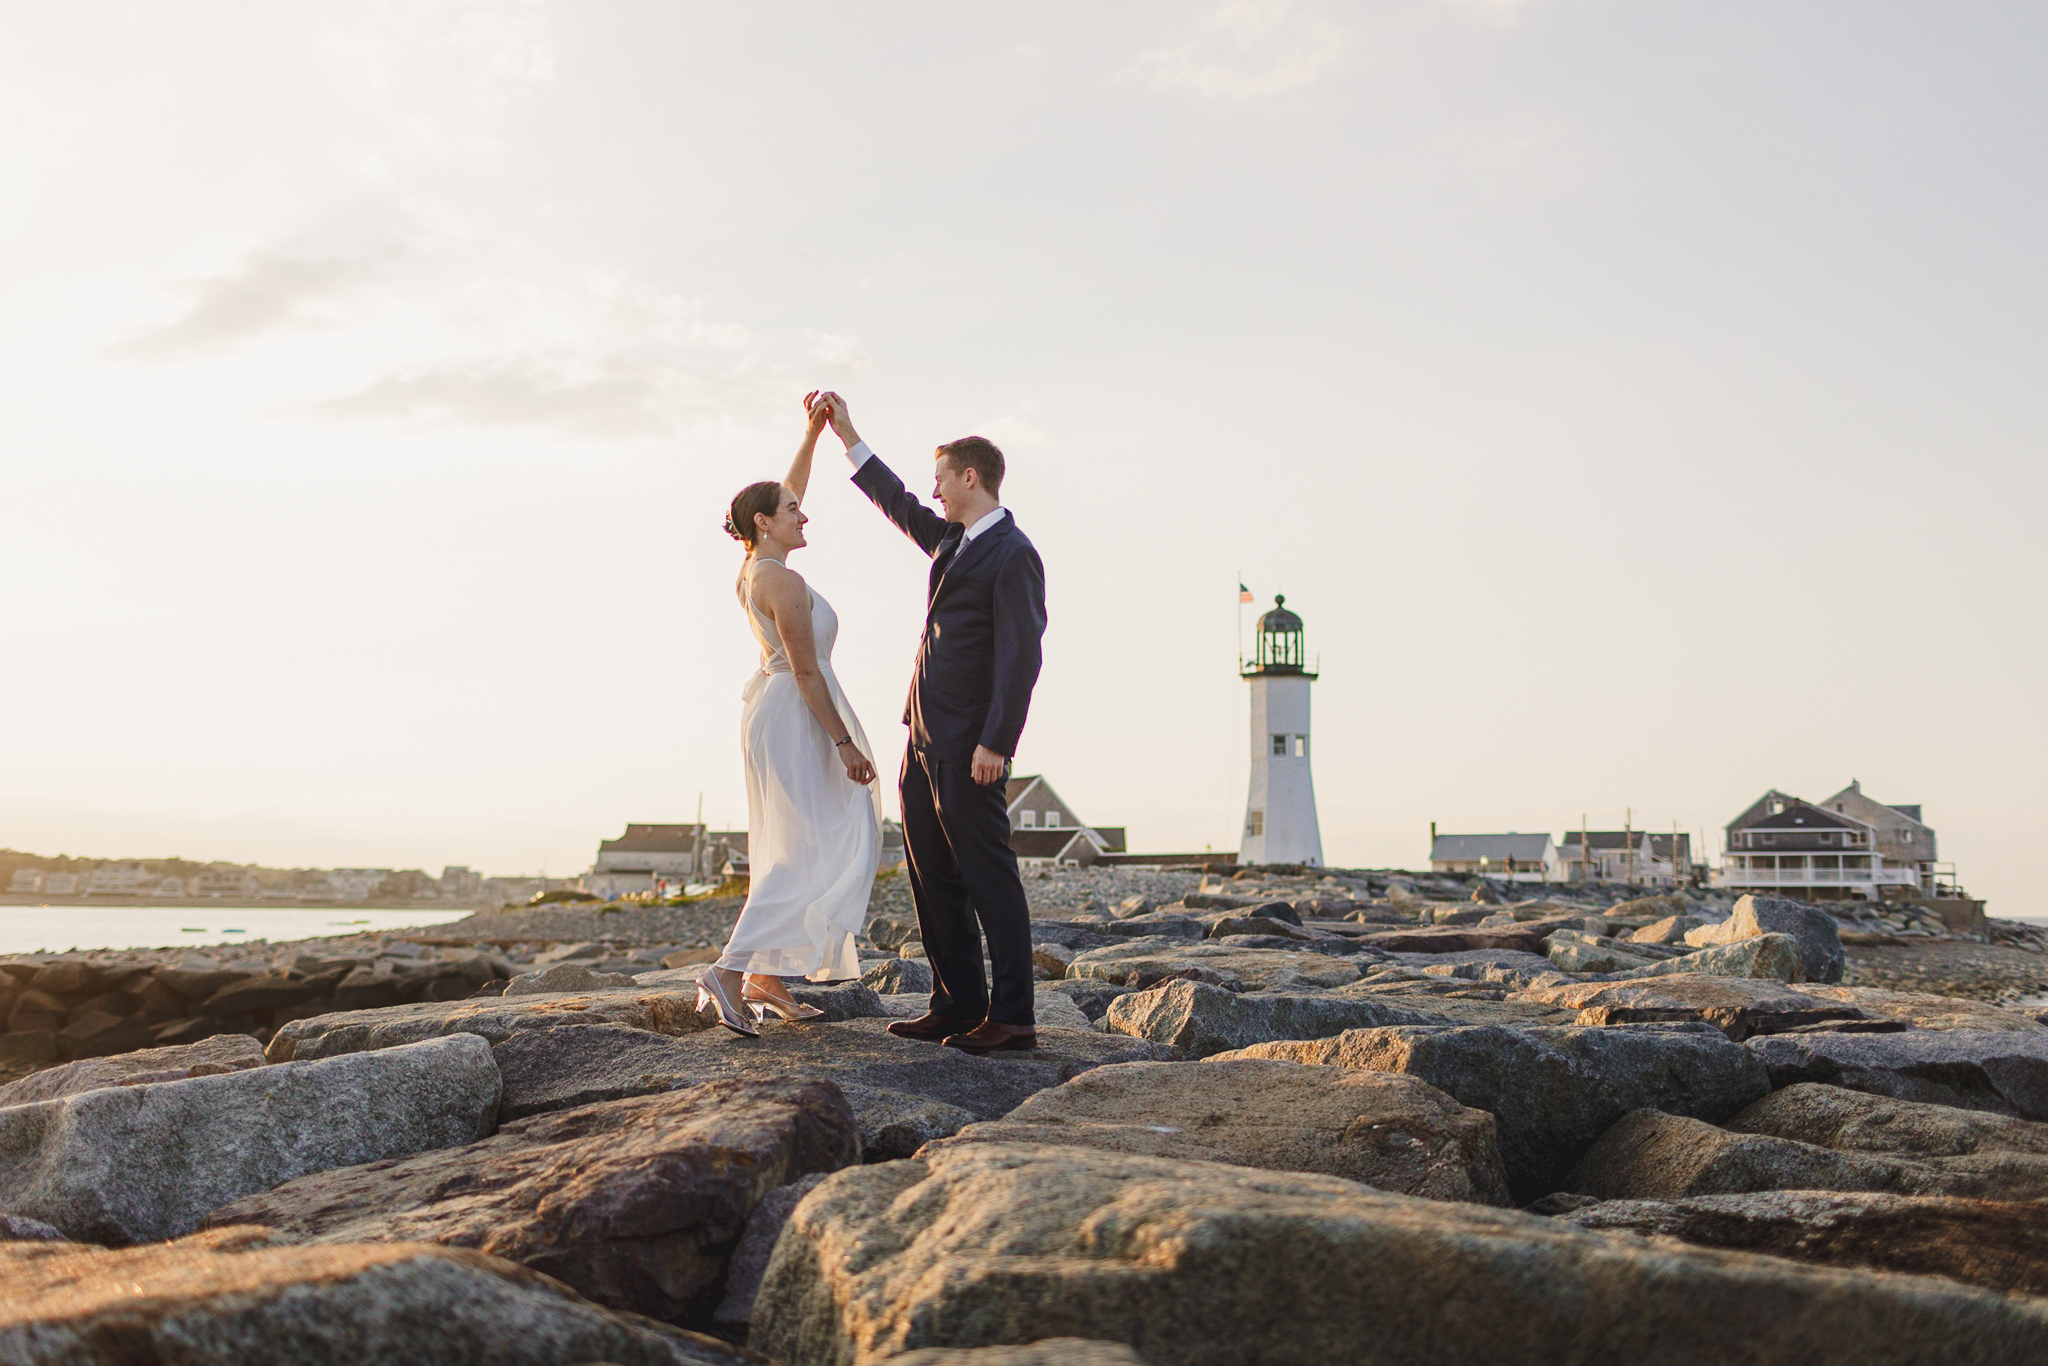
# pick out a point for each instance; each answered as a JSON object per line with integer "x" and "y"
{"x": 976, "y": 664}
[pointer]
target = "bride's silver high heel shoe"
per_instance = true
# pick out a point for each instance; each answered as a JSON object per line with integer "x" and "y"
{"x": 711, "y": 992}
{"x": 796, "y": 1012}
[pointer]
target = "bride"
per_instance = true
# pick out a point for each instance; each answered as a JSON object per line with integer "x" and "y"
{"x": 813, "y": 810}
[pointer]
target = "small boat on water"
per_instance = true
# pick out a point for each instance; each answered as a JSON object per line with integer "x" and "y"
{"x": 193, "y": 929}
{"x": 234, "y": 931}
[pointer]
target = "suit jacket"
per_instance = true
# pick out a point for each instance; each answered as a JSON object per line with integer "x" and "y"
{"x": 984, "y": 617}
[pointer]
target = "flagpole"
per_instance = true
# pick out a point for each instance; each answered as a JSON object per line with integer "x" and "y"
{"x": 1239, "y": 666}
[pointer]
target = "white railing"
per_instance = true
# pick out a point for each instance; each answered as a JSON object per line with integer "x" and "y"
{"x": 1816, "y": 877}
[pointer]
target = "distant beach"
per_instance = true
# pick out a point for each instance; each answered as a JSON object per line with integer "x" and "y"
{"x": 57, "y": 928}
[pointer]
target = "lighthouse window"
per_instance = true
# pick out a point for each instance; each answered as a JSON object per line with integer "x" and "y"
{"x": 1255, "y": 822}
{"x": 1301, "y": 746}
{"x": 1280, "y": 744}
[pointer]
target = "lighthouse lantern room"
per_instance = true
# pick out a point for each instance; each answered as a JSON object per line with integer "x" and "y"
{"x": 1280, "y": 814}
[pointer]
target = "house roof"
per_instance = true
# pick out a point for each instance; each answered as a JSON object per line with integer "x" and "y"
{"x": 1800, "y": 815}
{"x": 1499, "y": 848}
{"x": 1658, "y": 845}
{"x": 1045, "y": 843}
{"x": 652, "y": 839}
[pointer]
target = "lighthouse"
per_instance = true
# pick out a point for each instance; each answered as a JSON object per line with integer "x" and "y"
{"x": 1280, "y": 814}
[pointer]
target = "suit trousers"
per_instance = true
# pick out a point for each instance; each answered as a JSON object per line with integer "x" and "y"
{"x": 956, "y": 833}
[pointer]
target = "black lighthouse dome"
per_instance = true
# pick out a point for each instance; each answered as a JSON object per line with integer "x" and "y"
{"x": 1278, "y": 647}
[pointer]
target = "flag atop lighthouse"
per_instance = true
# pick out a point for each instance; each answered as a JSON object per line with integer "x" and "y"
{"x": 1280, "y": 813}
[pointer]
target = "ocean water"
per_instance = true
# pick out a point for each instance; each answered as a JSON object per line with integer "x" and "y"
{"x": 54, "y": 929}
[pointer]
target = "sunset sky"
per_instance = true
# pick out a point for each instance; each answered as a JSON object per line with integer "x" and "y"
{"x": 1642, "y": 403}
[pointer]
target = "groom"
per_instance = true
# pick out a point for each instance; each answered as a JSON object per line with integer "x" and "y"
{"x": 976, "y": 664}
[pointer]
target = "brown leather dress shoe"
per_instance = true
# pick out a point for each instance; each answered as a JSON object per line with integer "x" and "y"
{"x": 989, "y": 1037}
{"x": 928, "y": 1027}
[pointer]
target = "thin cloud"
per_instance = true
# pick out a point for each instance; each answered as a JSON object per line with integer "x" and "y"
{"x": 608, "y": 397}
{"x": 262, "y": 293}
{"x": 834, "y": 349}
{"x": 1245, "y": 50}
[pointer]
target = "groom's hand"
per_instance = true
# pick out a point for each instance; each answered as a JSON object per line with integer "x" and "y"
{"x": 842, "y": 422}
{"x": 989, "y": 766}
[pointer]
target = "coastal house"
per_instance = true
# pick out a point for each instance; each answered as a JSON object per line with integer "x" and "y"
{"x": 1900, "y": 836}
{"x": 26, "y": 880}
{"x": 119, "y": 879}
{"x": 459, "y": 882}
{"x": 1640, "y": 857}
{"x": 651, "y": 857}
{"x": 225, "y": 884}
{"x": 60, "y": 884}
{"x": 1512, "y": 857}
{"x": 1044, "y": 829}
{"x": 170, "y": 889}
{"x": 1813, "y": 851}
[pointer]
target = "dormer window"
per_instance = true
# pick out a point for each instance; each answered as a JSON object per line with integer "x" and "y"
{"x": 1030, "y": 820}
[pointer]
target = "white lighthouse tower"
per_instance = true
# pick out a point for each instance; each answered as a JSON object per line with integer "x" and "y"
{"x": 1280, "y": 814}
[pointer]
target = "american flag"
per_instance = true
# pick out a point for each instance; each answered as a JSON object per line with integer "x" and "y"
{"x": 1243, "y": 594}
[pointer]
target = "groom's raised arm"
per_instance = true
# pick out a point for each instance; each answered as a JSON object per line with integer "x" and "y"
{"x": 897, "y": 503}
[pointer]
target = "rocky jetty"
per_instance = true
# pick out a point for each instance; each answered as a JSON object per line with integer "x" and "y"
{"x": 1314, "y": 1117}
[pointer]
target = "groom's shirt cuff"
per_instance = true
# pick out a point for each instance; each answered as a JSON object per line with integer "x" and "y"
{"x": 858, "y": 454}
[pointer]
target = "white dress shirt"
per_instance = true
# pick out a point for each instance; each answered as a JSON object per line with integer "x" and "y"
{"x": 858, "y": 454}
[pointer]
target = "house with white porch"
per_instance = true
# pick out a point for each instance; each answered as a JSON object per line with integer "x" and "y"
{"x": 1813, "y": 851}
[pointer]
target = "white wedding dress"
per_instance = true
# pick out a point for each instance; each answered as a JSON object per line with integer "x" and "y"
{"x": 814, "y": 836}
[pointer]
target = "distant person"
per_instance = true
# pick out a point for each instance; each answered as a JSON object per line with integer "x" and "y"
{"x": 976, "y": 665}
{"x": 814, "y": 816}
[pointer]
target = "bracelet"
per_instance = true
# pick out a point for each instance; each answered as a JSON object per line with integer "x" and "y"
{"x": 847, "y": 741}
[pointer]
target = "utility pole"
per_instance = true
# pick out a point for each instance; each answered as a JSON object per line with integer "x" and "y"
{"x": 1628, "y": 843}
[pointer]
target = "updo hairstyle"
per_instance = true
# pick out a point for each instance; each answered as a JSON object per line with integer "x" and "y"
{"x": 762, "y": 499}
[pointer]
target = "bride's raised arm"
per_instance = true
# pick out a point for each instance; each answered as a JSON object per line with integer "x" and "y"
{"x": 817, "y": 412}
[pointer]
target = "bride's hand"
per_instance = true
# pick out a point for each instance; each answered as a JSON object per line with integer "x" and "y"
{"x": 858, "y": 766}
{"x": 817, "y": 412}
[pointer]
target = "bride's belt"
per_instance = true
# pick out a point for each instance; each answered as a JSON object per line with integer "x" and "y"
{"x": 759, "y": 678}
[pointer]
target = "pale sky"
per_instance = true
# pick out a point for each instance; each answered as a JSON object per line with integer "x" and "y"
{"x": 1641, "y": 402}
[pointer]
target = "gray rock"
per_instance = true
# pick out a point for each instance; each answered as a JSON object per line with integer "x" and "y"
{"x": 900, "y": 977}
{"x": 1965, "y": 1152}
{"x": 1857, "y": 1121}
{"x": 565, "y": 977}
{"x": 1051, "y": 959}
{"x": 1553, "y": 1090}
{"x": 1648, "y": 1155}
{"x": 1134, "y": 906}
{"x": 1923, "y": 1010}
{"x": 2002, "y": 1245}
{"x": 670, "y": 1009}
{"x": 227, "y": 1299}
{"x": 15, "y": 1228}
{"x": 1392, "y": 1133}
{"x": 896, "y": 1124}
{"x": 1574, "y": 951}
{"x": 1057, "y": 1010}
{"x": 1091, "y": 997}
{"x": 136, "y": 1163}
{"x": 1670, "y": 930}
{"x": 749, "y": 1260}
{"x": 634, "y": 1203}
{"x": 1199, "y": 1264}
{"x": 1773, "y": 956}
{"x": 555, "y": 1069}
{"x": 1142, "y": 962}
{"x": 208, "y": 1057}
{"x": 1737, "y": 1006}
{"x": 1820, "y": 943}
{"x": 1047, "y": 1352}
{"x": 854, "y": 1000}
{"x": 1197, "y": 1020}
{"x": 1972, "y": 1069}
